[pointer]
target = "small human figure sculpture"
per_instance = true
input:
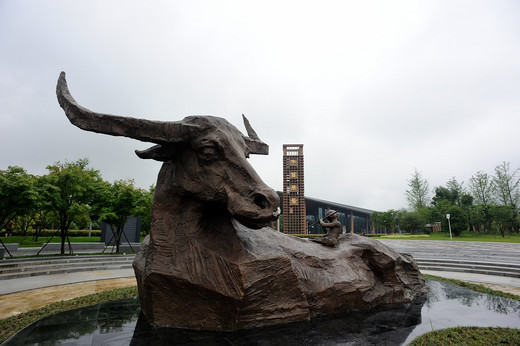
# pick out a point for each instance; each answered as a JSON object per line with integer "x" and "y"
{"x": 333, "y": 228}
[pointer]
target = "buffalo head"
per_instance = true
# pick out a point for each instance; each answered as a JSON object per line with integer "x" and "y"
{"x": 208, "y": 153}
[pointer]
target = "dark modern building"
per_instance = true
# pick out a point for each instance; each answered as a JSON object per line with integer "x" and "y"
{"x": 353, "y": 219}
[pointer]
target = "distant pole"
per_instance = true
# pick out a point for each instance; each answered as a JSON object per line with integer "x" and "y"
{"x": 90, "y": 229}
{"x": 449, "y": 224}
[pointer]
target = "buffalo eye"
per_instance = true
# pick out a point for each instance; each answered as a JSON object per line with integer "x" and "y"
{"x": 208, "y": 153}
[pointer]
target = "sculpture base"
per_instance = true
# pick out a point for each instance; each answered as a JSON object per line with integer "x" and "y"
{"x": 267, "y": 278}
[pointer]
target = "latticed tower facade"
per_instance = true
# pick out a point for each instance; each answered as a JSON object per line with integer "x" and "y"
{"x": 293, "y": 190}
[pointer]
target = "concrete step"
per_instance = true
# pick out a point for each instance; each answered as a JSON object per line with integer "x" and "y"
{"x": 469, "y": 262}
{"x": 52, "y": 266}
{"x": 17, "y": 268}
{"x": 475, "y": 267}
{"x": 473, "y": 271}
{"x": 62, "y": 271}
{"x": 483, "y": 266}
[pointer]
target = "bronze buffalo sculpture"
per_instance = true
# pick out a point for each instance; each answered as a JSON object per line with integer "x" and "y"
{"x": 209, "y": 261}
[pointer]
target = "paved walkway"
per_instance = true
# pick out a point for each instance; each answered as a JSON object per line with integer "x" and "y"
{"x": 464, "y": 250}
{"x": 34, "y": 292}
{"x": 460, "y": 250}
{"x": 41, "y": 281}
{"x": 24, "y": 294}
{"x": 15, "y": 303}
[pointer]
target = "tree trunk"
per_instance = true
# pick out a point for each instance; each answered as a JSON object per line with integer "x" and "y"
{"x": 62, "y": 241}
{"x": 120, "y": 230}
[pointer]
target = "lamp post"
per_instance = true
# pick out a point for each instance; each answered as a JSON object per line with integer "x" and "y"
{"x": 449, "y": 224}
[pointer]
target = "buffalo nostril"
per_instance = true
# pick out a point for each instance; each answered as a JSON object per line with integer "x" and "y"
{"x": 261, "y": 201}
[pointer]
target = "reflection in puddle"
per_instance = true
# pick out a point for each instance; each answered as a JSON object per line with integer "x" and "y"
{"x": 120, "y": 323}
{"x": 450, "y": 306}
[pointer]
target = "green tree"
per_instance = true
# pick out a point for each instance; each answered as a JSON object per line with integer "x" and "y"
{"x": 481, "y": 188}
{"x": 458, "y": 220}
{"x": 480, "y": 217}
{"x": 17, "y": 193}
{"x": 457, "y": 189}
{"x": 390, "y": 220}
{"x": 119, "y": 203}
{"x": 504, "y": 217}
{"x": 386, "y": 220}
{"x": 71, "y": 189}
{"x": 453, "y": 192}
{"x": 445, "y": 194}
{"x": 506, "y": 185}
{"x": 144, "y": 208}
{"x": 377, "y": 219}
{"x": 417, "y": 194}
{"x": 428, "y": 214}
{"x": 412, "y": 222}
{"x": 36, "y": 214}
{"x": 449, "y": 199}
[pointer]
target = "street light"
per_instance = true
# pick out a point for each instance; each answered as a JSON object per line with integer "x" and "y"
{"x": 449, "y": 224}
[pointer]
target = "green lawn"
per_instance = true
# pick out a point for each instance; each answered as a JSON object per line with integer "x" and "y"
{"x": 466, "y": 236}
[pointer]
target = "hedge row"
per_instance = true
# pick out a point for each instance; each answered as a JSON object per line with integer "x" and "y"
{"x": 51, "y": 232}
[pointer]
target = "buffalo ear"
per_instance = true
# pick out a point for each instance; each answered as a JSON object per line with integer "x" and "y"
{"x": 157, "y": 152}
{"x": 255, "y": 145}
{"x": 250, "y": 132}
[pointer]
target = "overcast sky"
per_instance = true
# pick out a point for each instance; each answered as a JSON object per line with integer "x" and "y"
{"x": 373, "y": 89}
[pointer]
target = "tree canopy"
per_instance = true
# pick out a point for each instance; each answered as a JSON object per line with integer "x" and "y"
{"x": 18, "y": 194}
{"x": 490, "y": 203}
{"x": 418, "y": 192}
{"x": 71, "y": 190}
{"x": 71, "y": 193}
{"x": 120, "y": 201}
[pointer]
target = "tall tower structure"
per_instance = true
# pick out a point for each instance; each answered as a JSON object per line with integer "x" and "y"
{"x": 293, "y": 190}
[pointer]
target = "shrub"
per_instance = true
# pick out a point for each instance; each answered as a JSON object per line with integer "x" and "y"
{"x": 51, "y": 232}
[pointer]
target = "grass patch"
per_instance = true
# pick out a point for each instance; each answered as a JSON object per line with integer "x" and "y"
{"x": 11, "y": 325}
{"x": 470, "y": 336}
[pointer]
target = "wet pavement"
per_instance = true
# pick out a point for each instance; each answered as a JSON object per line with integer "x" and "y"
{"x": 120, "y": 323}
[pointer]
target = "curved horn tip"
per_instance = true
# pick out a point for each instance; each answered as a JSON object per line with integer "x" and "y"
{"x": 61, "y": 78}
{"x": 62, "y": 86}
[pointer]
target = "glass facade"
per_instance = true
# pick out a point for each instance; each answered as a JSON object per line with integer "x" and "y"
{"x": 352, "y": 219}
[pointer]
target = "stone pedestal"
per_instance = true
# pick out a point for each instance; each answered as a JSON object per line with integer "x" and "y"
{"x": 268, "y": 278}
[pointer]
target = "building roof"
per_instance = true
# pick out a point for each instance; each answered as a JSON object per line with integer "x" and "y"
{"x": 336, "y": 205}
{"x": 343, "y": 206}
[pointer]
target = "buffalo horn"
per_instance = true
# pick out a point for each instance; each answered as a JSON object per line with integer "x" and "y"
{"x": 158, "y": 132}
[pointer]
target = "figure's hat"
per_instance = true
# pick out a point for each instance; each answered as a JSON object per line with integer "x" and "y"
{"x": 331, "y": 212}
